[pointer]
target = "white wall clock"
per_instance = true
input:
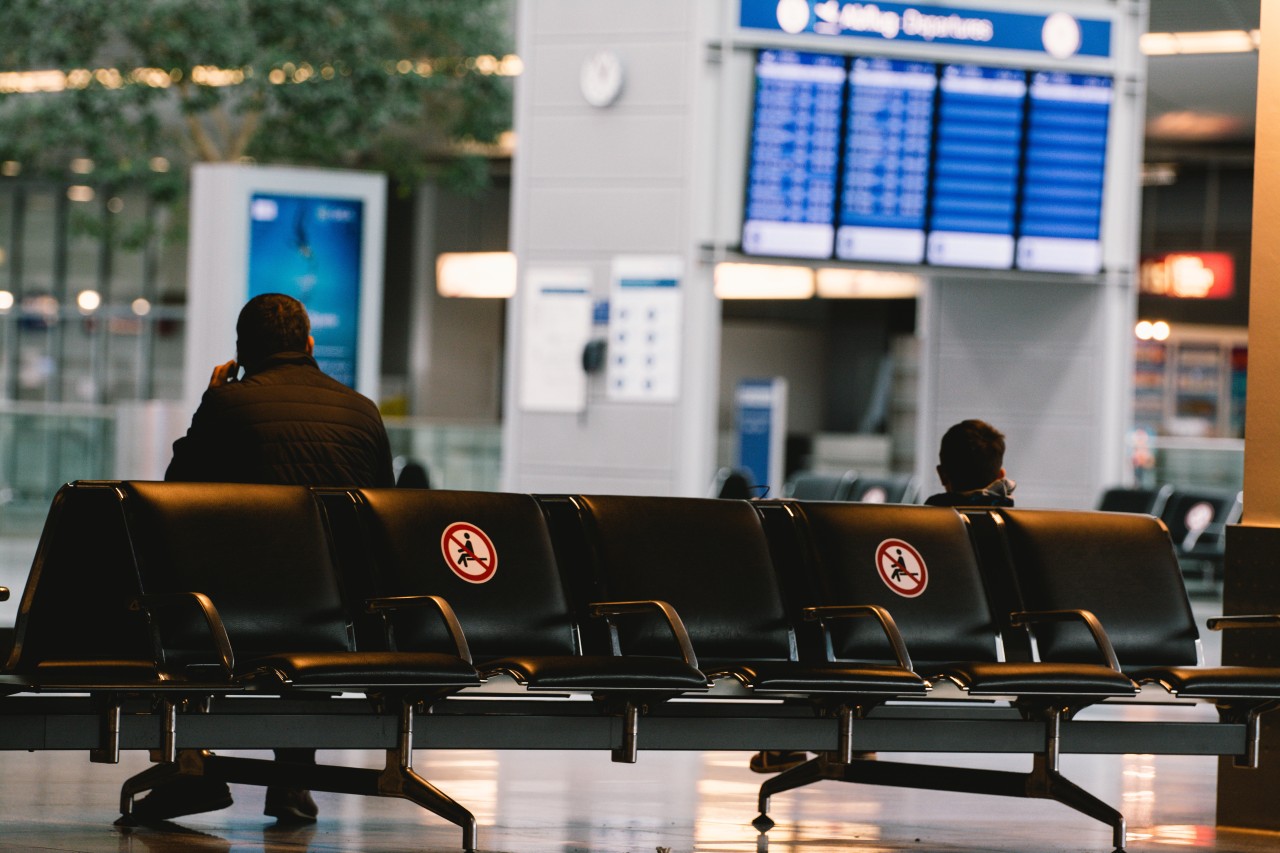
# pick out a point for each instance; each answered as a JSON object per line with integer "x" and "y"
{"x": 601, "y": 78}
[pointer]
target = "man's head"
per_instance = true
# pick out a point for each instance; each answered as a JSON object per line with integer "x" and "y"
{"x": 269, "y": 324}
{"x": 971, "y": 456}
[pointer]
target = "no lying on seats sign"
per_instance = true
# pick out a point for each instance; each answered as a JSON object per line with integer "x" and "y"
{"x": 469, "y": 552}
{"x": 901, "y": 568}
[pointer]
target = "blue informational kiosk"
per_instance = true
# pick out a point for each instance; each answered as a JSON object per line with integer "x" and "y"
{"x": 313, "y": 234}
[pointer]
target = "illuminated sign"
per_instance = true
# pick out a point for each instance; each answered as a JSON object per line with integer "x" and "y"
{"x": 1189, "y": 275}
{"x": 1058, "y": 34}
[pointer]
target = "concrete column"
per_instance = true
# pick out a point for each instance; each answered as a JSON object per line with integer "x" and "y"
{"x": 1246, "y": 798}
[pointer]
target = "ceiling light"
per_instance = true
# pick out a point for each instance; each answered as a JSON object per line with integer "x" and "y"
{"x": 836, "y": 283}
{"x": 1212, "y": 41}
{"x": 763, "y": 281}
{"x": 476, "y": 275}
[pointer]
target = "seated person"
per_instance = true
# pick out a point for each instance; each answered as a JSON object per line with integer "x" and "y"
{"x": 971, "y": 467}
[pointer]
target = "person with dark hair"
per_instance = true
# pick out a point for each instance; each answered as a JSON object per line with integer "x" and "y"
{"x": 971, "y": 467}
{"x": 284, "y": 422}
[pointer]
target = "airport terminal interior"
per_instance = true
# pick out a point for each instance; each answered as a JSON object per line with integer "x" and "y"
{"x": 646, "y": 293}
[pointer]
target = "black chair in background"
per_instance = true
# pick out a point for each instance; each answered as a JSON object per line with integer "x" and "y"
{"x": 1197, "y": 520}
{"x": 819, "y": 486}
{"x": 1134, "y": 499}
{"x": 735, "y": 484}
{"x": 411, "y": 474}
{"x": 889, "y": 489}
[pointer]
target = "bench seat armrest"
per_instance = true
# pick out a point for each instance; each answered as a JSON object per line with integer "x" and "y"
{"x": 858, "y": 611}
{"x": 1100, "y": 638}
{"x": 4, "y": 593}
{"x": 155, "y": 605}
{"x": 608, "y": 609}
{"x": 388, "y": 604}
{"x": 1253, "y": 620}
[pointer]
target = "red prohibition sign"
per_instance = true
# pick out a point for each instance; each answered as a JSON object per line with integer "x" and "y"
{"x": 901, "y": 568}
{"x": 469, "y": 552}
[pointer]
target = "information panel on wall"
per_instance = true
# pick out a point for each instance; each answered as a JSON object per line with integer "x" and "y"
{"x": 897, "y": 161}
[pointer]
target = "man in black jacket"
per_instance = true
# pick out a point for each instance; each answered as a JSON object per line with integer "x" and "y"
{"x": 285, "y": 422}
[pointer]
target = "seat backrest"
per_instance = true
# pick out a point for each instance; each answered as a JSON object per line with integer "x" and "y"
{"x": 916, "y": 562}
{"x": 1119, "y": 566}
{"x": 261, "y": 553}
{"x": 817, "y": 486}
{"x": 891, "y": 489}
{"x": 1123, "y": 499}
{"x": 707, "y": 558}
{"x": 1188, "y": 512}
{"x": 76, "y": 603}
{"x": 488, "y": 554}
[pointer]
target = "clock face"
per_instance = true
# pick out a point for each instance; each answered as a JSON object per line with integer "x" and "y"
{"x": 601, "y": 78}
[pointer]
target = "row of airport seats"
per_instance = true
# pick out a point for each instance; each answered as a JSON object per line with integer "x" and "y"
{"x": 1197, "y": 519}
{"x": 218, "y": 605}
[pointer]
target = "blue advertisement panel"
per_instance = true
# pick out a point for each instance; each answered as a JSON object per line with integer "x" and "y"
{"x": 1058, "y": 35}
{"x": 976, "y": 166}
{"x": 886, "y": 160}
{"x": 795, "y": 151}
{"x": 1066, "y": 153}
{"x": 309, "y": 247}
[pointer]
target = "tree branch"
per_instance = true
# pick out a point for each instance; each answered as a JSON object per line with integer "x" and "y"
{"x": 207, "y": 148}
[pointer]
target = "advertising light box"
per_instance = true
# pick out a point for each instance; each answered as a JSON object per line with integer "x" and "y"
{"x": 899, "y": 161}
{"x": 308, "y": 247}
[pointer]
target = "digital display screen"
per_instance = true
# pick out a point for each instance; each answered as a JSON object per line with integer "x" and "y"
{"x": 310, "y": 248}
{"x": 897, "y": 161}
{"x": 1065, "y": 163}
{"x": 975, "y": 184}
{"x": 886, "y": 161}
{"x": 794, "y": 155}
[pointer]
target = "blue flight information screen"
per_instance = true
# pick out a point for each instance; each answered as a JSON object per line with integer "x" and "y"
{"x": 795, "y": 152}
{"x": 885, "y": 189}
{"x": 1060, "y": 221}
{"x": 976, "y": 166}
{"x": 901, "y": 161}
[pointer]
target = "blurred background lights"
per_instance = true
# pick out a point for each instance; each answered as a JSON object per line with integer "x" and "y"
{"x": 1146, "y": 330}
{"x": 140, "y": 307}
{"x": 88, "y": 300}
{"x": 6, "y": 300}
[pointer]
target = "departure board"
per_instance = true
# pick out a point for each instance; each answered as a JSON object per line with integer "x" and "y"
{"x": 976, "y": 166}
{"x": 795, "y": 151}
{"x": 901, "y": 161}
{"x": 1066, "y": 148}
{"x": 885, "y": 186}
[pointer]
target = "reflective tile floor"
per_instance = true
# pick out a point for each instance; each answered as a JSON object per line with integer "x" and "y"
{"x": 557, "y": 802}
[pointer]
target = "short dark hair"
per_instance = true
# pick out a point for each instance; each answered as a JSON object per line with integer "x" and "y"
{"x": 971, "y": 455}
{"x": 268, "y": 324}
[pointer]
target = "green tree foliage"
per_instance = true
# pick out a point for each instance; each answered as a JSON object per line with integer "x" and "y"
{"x": 402, "y": 86}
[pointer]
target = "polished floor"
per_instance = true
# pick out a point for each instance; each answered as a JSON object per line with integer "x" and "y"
{"x": 679, "y": 802}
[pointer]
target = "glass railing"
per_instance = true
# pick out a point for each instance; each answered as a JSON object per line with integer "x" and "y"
{"x": 44, "y": 445}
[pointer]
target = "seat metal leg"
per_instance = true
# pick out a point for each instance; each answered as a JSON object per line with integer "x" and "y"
{"x": 626, "y": 752}
{"x": 811, "y": 771}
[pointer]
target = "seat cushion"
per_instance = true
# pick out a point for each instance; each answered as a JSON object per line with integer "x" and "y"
{"x": 1033, "y": 679}
{"x": 830, "y": 678}
{"x": 1215, "y": 682}
{"x": 600, "y": 672}
{"x": 359, "y": 670}
{"x": 106, "y": 673}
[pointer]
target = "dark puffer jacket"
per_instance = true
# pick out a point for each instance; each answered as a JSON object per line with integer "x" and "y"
{"x": 287, "y": 422}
